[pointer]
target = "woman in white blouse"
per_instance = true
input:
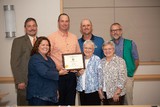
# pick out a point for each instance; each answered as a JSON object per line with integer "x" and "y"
{"x": 88, "y": 79}
{"x": 114, "y": 76}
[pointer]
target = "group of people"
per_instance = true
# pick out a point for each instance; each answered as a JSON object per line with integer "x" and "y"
{"x": 41, "y": 79}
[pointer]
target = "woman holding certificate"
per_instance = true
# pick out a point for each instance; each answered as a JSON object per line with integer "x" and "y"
{"x": 88, "y": 79}
{"x": 43, "y": 76}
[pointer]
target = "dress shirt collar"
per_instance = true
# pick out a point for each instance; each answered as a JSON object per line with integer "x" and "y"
{"x": 31, "y": 39}
{"x": 119, "y": 40}
{"x": 112, "y": 59}
{"x": 92, "y": 38}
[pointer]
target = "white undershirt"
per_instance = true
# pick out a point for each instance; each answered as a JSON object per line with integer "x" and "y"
{"x": 31, "y": 39}
{"x": 84, "y": 74}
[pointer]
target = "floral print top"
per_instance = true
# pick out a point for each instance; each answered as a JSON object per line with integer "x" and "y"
{"x": 114, "y": 75}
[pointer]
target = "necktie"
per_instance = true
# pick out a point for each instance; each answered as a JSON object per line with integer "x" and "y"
{"x": 34, "y": 40}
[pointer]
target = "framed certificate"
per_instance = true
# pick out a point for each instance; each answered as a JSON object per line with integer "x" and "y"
{"x": 73, "y": 61}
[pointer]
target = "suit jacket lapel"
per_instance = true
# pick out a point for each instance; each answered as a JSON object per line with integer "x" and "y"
{"x": 28, "y": 42}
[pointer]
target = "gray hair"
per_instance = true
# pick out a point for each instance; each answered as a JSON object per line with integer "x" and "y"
{"x": 108, "y": 43}
{"x": 116, "y": 24}
{"x": 89, "y": 42}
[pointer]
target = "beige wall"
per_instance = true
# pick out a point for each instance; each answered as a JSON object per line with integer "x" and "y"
{"x": 147, "y": 92}
{"x": 46, "y": 13}
{"x": 140, "y": 20}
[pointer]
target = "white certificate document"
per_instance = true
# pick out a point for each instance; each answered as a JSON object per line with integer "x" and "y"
{"x": 73, "y": 61}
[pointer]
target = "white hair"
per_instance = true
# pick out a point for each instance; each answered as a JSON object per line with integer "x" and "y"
{"x": 108, "y": 43}
{"x": 89, "y": 42}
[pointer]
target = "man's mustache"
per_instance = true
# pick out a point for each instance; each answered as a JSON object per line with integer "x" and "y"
{"x": 32, "y": 30}
{"x": 86, "y": 29}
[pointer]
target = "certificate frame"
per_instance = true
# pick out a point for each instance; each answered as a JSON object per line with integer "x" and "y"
{"x": 73, "y": 61}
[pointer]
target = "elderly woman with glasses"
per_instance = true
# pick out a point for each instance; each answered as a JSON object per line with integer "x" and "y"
{"x": 88, "y": 79}
{"x": 114, "y": 76}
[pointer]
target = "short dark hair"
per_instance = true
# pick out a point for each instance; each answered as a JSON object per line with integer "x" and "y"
{"x": 28, "y": 20}
{"x": 37, "y": 43}
{"x": 63, "y": 14}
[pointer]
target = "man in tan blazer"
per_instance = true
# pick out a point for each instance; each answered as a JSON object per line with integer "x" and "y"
{"x": 20, "y": 54}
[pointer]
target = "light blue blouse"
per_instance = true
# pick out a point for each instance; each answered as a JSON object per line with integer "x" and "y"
{"x": 93, "y": 76}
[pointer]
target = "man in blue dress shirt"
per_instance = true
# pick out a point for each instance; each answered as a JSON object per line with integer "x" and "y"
{"x": 86, "y": 31}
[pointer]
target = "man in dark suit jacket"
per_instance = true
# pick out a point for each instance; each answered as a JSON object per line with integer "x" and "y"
{"x": 20, "y": 54}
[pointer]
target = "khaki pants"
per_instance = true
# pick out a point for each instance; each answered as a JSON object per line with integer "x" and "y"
{"x": 129, "y": 91}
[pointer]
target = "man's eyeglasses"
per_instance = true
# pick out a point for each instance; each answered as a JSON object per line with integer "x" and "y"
{"x": 115, "y": 30}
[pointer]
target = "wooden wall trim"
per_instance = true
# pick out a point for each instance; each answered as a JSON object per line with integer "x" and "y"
{"x": 146, "y": 77}
{"x": 61, "y": 6}
{"x": 6, "y": 80}
{"x": 149, "y": 63}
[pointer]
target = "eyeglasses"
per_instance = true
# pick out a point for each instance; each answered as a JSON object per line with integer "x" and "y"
{"x": 90, "y": 49}
{"x": 115, "y": 30}
{"x": 108, "y": 49}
